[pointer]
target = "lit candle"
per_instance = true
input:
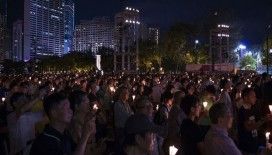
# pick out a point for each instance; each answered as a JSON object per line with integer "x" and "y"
{"x": 112, "y": 89}
{"x": 3, "y": 99}
{"x": 270, "y": 108}
{"x": 52, "y": 89}
{"x": 205, "y": 104}
{"x": 95, "y": 107}
{"x": 157, "y": 107}
{"x": 173, "y": 150}
{"x": 40, "y": 82}
{"x": 133, "y": 97}
{"x": 267, "y": 135}
{"x": 249, "y": 86}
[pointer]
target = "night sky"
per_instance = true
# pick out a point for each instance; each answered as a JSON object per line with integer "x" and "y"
{"x": 251, "y": 15}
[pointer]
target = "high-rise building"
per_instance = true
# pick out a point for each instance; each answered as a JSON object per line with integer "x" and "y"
{"x": 143, "y": 36}
{"x": 69, "y": 22}
{"x": 3, "y": 30}
{"x": 153, "y": 35}
{"x": 127, "y": 33}
{"x": 82, "y": 37}
{"x": 220, "y": 44}
{"x": 43, "y": 28}
{"x": 17, "y": 41}
{"x": 94, "y": 34}
{"x": 3, "y": 7}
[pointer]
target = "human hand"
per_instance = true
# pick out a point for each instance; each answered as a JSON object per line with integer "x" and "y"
{"x": 89, "y": 127}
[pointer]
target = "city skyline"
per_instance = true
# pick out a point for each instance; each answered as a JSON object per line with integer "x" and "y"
{"x": 251, "y": 17}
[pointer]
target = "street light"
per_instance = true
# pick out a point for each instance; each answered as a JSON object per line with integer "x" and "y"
{"x": 196, "y": 43}
{"x": 242, "y": 47}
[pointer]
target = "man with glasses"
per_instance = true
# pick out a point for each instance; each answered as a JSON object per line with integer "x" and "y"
{"x": 217, "y": 140}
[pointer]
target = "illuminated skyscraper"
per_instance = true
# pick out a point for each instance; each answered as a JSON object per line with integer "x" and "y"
{"x": 69, "y": 25}
{"x": 153, "y": 35}
{"x": 220, "y": 44}
{"x": 127, "y": 33}
{"x": 43, "y": 28}
{"x": 17, "y": 41}
{"x": 3, "y": 30}
{"x": 94, "y": 34}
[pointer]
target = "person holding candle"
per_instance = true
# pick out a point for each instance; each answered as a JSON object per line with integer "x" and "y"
{"x": 80, "y": 106}
{"x": 140, "y": 134}
{"x": 249, "y": 121}
{"x": 55, "y": 139}
{"x": 162, "y": 115}
{"x": 217, "y": 141}
{"x": 122, "y": 111}
{"x": 191, "y": 133}
{"x": 176, "y": 116}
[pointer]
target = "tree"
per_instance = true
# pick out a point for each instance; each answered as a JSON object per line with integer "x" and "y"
{"x": 248, "y": 63}
{"x": 264, "y": 51}
{"x": 149, "y": 55}
{"x": 176, "y": 44}
{"x": 74, "y": 61}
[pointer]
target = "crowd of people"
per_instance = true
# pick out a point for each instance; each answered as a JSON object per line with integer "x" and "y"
{"x": 136, "y": 114}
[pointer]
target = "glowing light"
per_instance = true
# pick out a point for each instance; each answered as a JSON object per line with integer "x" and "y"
{"x": 267, "y": 135}
{"x": 205, "y": 104}
{"x": 3, "y": 99}
{"x": 112, "y": 89}
{"x": 270, "y": 108}
{"x": 196, "y": 41}
{"x": 157, "y": 107}
{"x": 133, "y": 97}
{"x": 95, "y": 107}
{"x": 224, "y": 26}
{"x": 173, "y": 150}
{"x": 242, "y": 47}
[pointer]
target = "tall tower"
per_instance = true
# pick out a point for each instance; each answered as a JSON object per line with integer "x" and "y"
{"x": 127, "y": 29}
{"x": 69, "y": 17}
{"x": 220, "y": 44}
{"x": 43, "y": 28}
{"x": 17, "y": 41}
{"x": 4, "y": 44}
{"x": 92, "y": 35}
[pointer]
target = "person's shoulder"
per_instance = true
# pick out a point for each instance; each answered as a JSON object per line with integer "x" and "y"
{"x": 44, "y": 144}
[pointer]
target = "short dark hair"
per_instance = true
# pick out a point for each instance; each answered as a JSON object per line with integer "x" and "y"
{"x": 147, "y": 91}
{"x": 223, "y": 83}
{"x": 246, "y": 92}
{"x": 188, "y": 102}
{"x": 210, "y": 89}
{"x": 15, "y": 98}
{"x": 167, "y": 96}
{"x": 52, "y": 101}
{"x": 76, "y": 98}
{"x": 218, "y": 110}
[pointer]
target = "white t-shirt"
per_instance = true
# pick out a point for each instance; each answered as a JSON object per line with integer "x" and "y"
{"x": 22, "y": 129}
